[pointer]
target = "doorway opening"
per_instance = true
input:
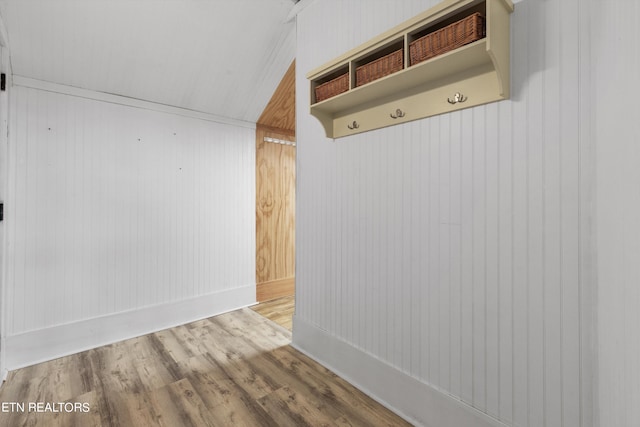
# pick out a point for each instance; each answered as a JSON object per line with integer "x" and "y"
{"x": 275, "y": 203}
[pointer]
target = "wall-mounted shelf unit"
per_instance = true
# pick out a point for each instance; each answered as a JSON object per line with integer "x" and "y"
{"x": 474, "y": 74}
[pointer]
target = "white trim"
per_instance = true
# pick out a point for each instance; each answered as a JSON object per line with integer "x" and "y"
{"x": 123, "y": 100}
{"x": 50, "y": 343}
{"x": 410, "y": 398}
{"x": 297, "y": 8}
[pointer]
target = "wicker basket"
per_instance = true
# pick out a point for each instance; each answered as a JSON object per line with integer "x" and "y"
{"x": 332, "y": 88}
{"x": 380, "y": 67}
{"x": 451, "y": 37}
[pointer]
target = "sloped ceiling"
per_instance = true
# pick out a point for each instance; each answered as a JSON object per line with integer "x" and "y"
{"x": 222, "y": 57}
{"x": 280, "y": 112}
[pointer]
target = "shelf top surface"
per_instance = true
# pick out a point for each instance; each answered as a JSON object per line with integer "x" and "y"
{"x": 441, "y": 9}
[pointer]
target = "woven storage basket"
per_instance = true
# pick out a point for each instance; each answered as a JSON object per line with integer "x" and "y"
{"x": 381, "y": 67}
{"x": 451, "y": 37}
{"x": 332, "y": 88}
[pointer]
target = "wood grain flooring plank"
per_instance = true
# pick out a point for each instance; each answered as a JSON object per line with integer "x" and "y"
{"x": 91, "y": 418}
{"x": 71, "y": 418}
{"x": 156, "y": 372}
{"x": 178, "y": 342}
{"x": 115, "y": 378}
{"x": 67, "y": 415}
{"x": 141, "y": 410}
{"x": 323, "y": 387}
{"x": 203, "y": 364}
{"x": 179, "y": 405}
{"x": 316, "y": 383}
{"x": 279, "y": 310}
{"x": 138, "y": 349}
{"x": 230, "y": 354}
{"x": 236, "y": 369}
{"x": 59, "y": 379}
{"x": 112, "y": 407}
{"x": 289, "y": 407}
{"x": 255, "y": 328}
{"x": 228, "y": 403}
{"x": 114, "y": 371}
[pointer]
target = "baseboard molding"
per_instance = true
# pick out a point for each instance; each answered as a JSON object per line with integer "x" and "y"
{"x": 415, "y": 401}
{"x": 272, "y": 289}
{"x": 46, "y": 344}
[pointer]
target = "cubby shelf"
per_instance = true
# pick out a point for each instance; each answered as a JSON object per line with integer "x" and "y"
{"x": 478, "y": 71}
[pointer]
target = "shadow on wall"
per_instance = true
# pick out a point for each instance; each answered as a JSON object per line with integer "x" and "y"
{"x": 527, "y": 44}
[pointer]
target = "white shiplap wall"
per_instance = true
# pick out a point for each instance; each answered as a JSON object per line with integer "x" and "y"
{"x": 114, "y": 209}
{"x": 617, "y": 131}
{"x": 453, "y": 251}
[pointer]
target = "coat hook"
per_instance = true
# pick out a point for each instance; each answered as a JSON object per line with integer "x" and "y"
{"x": 355, "y": 125}
{"x": 398, "y": 113}
{"x": 458, "y": 97}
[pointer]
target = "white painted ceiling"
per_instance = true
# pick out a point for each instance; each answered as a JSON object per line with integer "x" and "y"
{"x": 223, "y": 57}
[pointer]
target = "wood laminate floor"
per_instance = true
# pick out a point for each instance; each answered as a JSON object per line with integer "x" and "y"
{"x": 279, "y": 310}
{"x": 235, "y": 369}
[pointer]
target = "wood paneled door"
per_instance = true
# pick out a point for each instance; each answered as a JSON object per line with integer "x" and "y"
{"x": 275, "y": 193}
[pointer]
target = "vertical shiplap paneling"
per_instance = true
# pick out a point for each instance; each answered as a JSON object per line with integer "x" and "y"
{"x": 552, "y": 182}
{"x": 392, "y": 259}
{"x": 12, "y": 167}
{"x": 116, "y": 208}
{"x": 535, "y": 190}
{"x": 370, "y": 215}
{"x": 520, "y": 141}
{"x": 505, "y": 267}
{"x": 492, "y": 227}
{"x": 410, "y": 253}
{"x": 35, "y": 124}
{"x": 573, "y": 276}
{"x": 416, "y": 252}
{"x": 479, "y": 253}
{"x": 455, "y": 251}
{"x": 357, "y": 250}
{"x": 466, "y": 260}
{"x": 433, "y": 249}
{"x": 616, "y": 64}
{"x": 455, "y": 289}
{"x": 444, "y": 238}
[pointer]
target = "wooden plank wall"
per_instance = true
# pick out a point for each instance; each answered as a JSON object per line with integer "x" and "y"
{"x": 280, "y": 112}
{"x": 451, "y": 248}
{"x": 275, "y": 193}
{"x": 275, "y": 215}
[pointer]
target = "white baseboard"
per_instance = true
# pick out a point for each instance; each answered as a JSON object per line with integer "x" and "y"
{"x": 41, "y": 345}
{"x": 415, "y": 401}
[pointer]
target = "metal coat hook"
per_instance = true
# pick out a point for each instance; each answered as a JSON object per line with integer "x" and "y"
{"x": 355, "y": 125}
{"x": 458, "y": 97}
{"x": 398, "y": 113}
